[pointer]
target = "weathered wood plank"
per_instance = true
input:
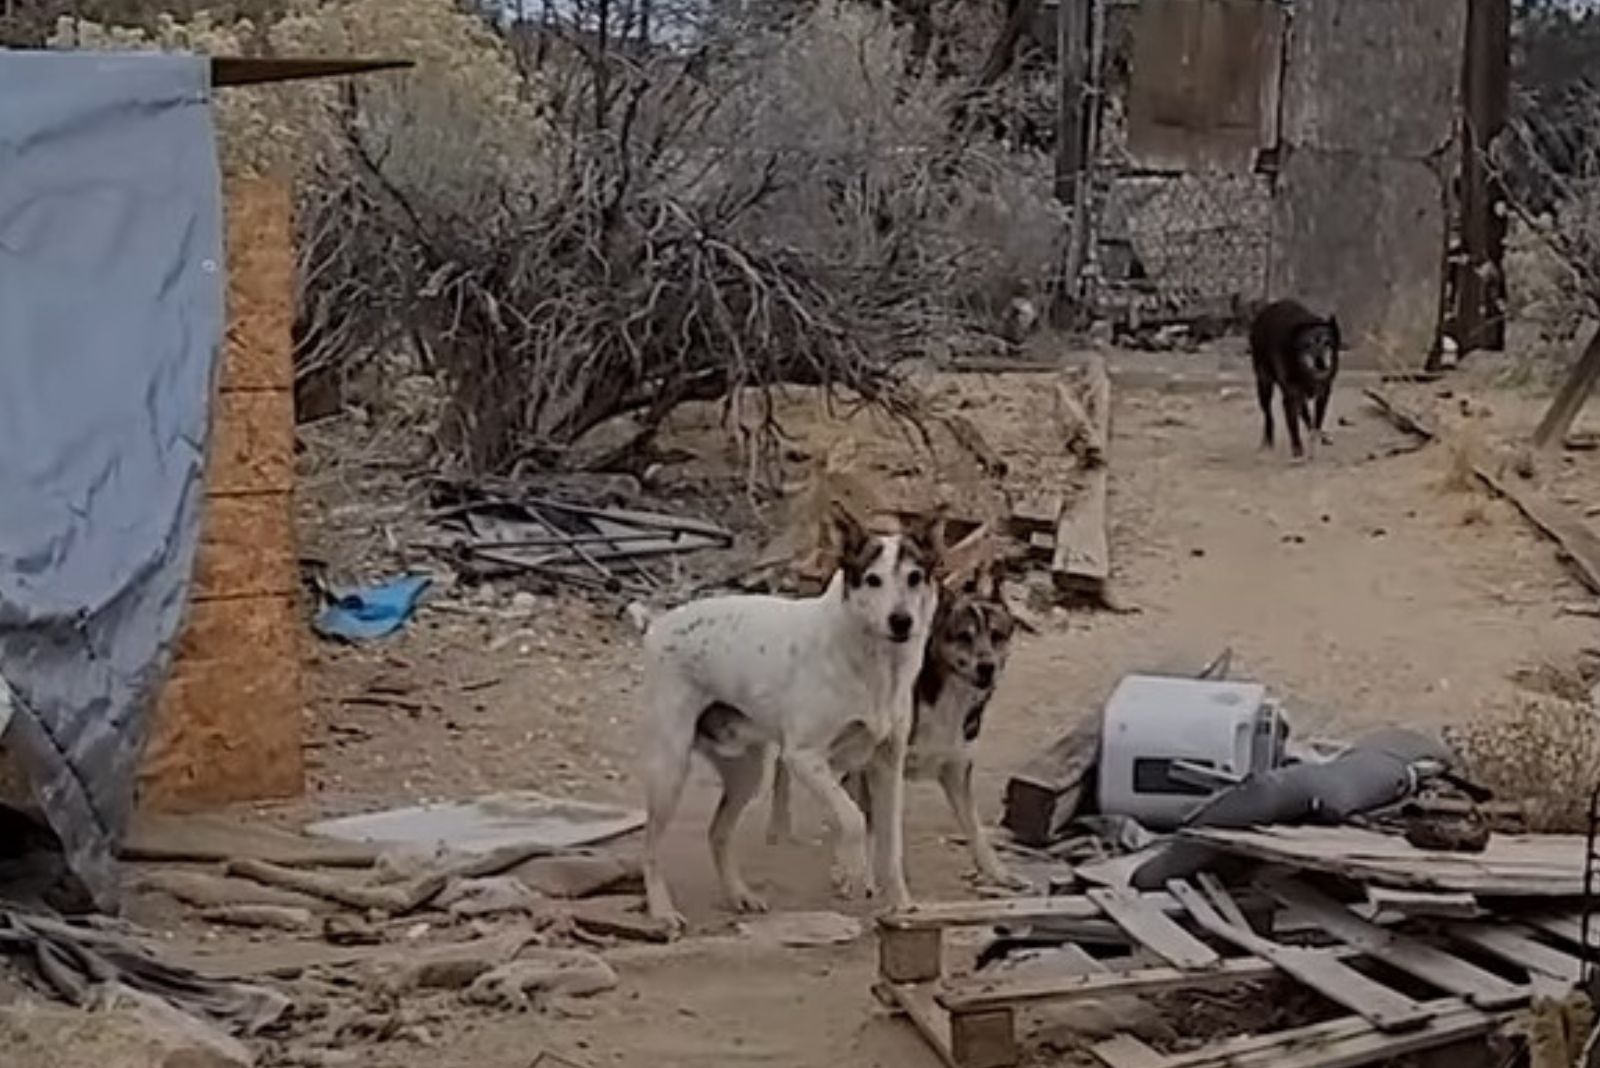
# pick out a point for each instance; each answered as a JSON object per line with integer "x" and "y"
{"x": 1125, "y": 1051}
{"x": 1384, "y": 1008}
{"x": 1151, "y": 928}
{"x": 1082, "y": 561}
{"x": 1450, "y": 974}
{"x": 1341, "y": 1044}
{"x": 1556, "y": 521}
{"x": 1012, "y": 910}
{"x": 916, "y": 1001}
{"x": 1512, "y": 866}
{"x": 1580, "y": 383}
{"x": 974, "y": 994}
{"x": 1516, "y": 946}
{"x": 1043, "y": 796}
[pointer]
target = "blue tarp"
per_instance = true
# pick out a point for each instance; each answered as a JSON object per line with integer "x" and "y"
{"x": 111, "y": 321}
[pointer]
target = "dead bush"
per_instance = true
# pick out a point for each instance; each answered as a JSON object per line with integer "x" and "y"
{"x": 569, "y": 220}
{"x": 1545, "y": 753}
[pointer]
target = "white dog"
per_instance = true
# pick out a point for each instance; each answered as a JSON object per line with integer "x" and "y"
{"x": 968, "y": 645}
{"x": 826, "y": 681}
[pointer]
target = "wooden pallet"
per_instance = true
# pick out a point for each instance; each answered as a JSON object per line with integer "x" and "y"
{"x": 1194, "y": 936}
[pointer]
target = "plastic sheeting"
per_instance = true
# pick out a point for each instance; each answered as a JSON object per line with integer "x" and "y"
{"x": 111, "y": 321}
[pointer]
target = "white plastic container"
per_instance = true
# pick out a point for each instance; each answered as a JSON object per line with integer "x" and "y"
{"x": 1151, "y": 721}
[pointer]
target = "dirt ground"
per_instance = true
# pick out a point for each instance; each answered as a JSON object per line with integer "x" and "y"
{"x": 1365, "y": 588}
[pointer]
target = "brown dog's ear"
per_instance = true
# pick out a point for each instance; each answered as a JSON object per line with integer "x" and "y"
{"x": 926, "y": 533}
{"x": 850, "y": 538}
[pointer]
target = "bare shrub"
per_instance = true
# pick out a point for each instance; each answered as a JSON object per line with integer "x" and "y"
{"x": 1545, "y": 753}
{"x": 566, "y": 225}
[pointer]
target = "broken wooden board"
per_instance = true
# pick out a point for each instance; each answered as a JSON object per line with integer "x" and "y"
{"x": 1432, "y": 965}
{"x": 1348, "y": 1042}
{"x": 1386, "y": 1009}
{"x": 1151, "y": 928}
{"x": 1554, "y": 520}
{"x": 1569, "y": 401}
{"x": 1519, "y": 947}
{"x": 1082, "y": 563}
{"x": 1044, "y": 796}
{"x": 1527, "y": 865}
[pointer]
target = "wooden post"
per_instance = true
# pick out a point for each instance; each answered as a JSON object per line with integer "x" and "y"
{"x": 227, "y": 724}
{"x": 1479, "y": 315}
{"x": 1564, "y": 409}
{"x": 1074, "y": 20}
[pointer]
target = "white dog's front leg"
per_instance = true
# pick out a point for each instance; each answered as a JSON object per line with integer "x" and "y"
{"x": 850, "y": 846}
{"x": 887, "y": 789}
{"x": 956, "y": 778}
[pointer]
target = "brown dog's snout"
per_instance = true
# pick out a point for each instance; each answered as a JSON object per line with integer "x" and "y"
{"x": 983, "y": 673}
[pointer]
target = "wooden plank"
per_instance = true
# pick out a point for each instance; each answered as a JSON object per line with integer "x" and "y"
{"x": 1450, "y": 974}
{"x": 1512, "y": 866}
{"x": 910, "y": 955}
{"x": 1575, "y": 391}
{"x": 1566, "y": 926}
{"x": 1223, "y": 901}
{"x": 1082, "y": 562}
{"x": 227, "y": 726}
{"x": 1518, "y": 947}
{"x": 1011, "y": 910}
{"x": 1151, "y": 928}
{"x": 247, "y": 548}
{"x": 252, "y": 443}
{"x": 1384, "y": 1008}
{"x": 1557, "y": 522}
{"x": 916, "y": 1001}
{"x": 229, "y": 71}
{"x": 1344, "y": 1043}
{"x": 984, "y": 1039}
{"x": 1125, "y": 1051}
{"x": 1043, "y": 796}
{"x": 1422, "y": 903}
{"x": 976, "y": 993}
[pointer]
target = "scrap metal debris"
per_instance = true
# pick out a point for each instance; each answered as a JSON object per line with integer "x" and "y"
{"x": 603, "y": 549}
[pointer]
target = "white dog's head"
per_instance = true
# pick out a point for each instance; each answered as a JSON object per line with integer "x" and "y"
{"x": 890, "y": 580}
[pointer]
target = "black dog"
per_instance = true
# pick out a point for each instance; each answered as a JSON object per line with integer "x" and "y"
{"x": 1298, "y": 352}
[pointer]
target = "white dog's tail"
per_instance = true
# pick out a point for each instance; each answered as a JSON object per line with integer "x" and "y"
{"x": 640, "y": 615}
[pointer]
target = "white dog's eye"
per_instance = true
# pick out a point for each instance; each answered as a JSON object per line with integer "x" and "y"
{"x": 914, "y": 579}
{"x": 874, "y": 581}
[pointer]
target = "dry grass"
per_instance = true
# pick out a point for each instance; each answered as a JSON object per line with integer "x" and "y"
{"x": 1545, "y": 753}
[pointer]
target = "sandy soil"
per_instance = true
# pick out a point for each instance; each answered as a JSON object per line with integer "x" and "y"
{"x": 1364, "y": 587}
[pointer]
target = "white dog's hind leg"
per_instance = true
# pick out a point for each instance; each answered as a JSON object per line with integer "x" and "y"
{"x": 666, "y": 767}
{"x": 742, "y": 777}
{"x": 956, "y": 778}
{"x": 780, "y": 821}
{"x": 886, "y": 782}
{"x": 850, "y": 849}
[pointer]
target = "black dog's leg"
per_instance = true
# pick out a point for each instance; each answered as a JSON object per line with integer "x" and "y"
{"x": 1294, "y": 410}
{"x": 1321, "y": 413}
{"x": 1264, "y": 394}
